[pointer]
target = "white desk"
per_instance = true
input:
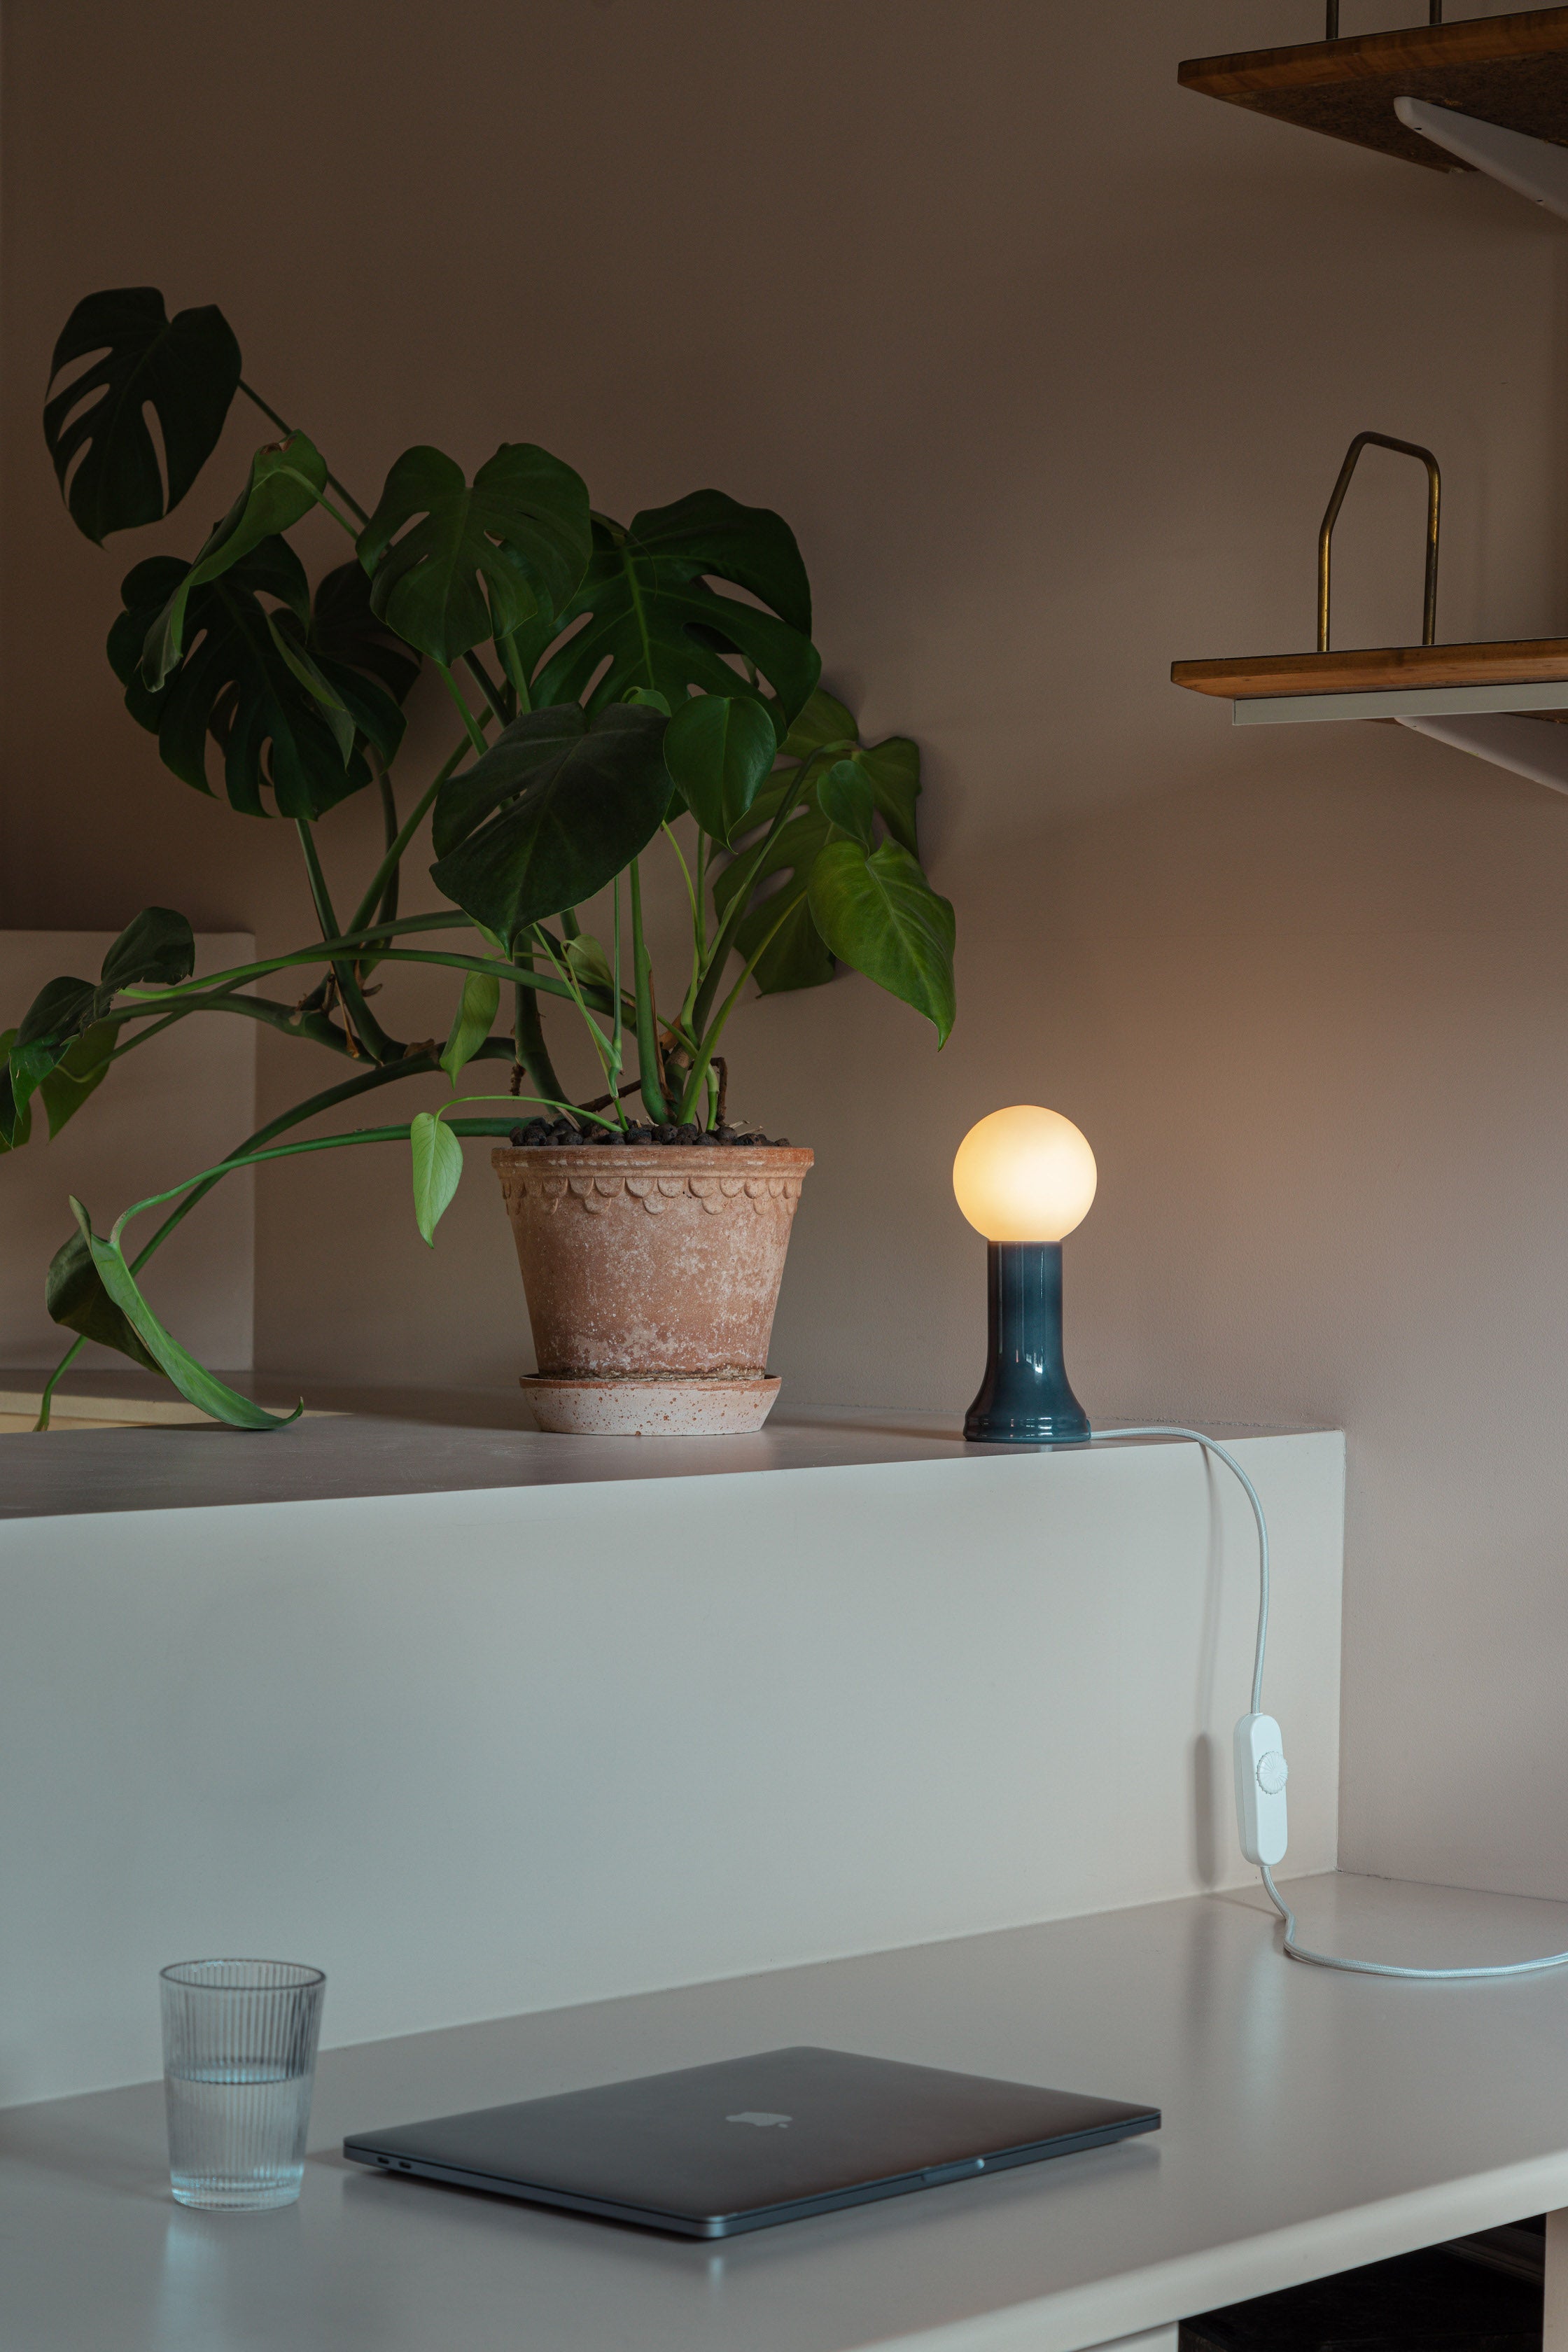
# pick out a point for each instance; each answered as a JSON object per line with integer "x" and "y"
{"x": 1312, "y": 2122}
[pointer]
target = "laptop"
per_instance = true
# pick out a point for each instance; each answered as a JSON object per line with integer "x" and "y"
{"x": 711, "y": 2150}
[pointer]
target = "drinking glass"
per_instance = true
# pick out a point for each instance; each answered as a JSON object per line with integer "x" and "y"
{"x": 239, "y": 2059}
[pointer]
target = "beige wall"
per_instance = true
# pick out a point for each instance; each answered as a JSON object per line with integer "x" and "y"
{"x": 1050, "y": 365}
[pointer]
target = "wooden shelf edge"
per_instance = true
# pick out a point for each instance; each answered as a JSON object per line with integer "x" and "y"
{"x": 1508, "y": 70}
{"x": 1533, "y": 661}
{"x": 1374, "y": 56}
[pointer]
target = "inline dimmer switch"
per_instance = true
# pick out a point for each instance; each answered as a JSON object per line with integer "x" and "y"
{"x": 1261, "y": 1773}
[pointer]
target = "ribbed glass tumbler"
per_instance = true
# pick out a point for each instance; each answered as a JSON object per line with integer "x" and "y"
{"x": 239, "y": 2059}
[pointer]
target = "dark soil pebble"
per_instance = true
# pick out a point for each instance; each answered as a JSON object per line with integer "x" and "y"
{"x": 554, "y": 1132}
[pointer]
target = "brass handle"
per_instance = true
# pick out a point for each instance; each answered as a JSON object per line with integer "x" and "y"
{"x": 1331, "y": 26}
{"x": 1331, "y": 516}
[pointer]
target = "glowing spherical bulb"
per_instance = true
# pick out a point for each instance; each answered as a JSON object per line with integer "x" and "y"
{"x": 1025, "y": 1175}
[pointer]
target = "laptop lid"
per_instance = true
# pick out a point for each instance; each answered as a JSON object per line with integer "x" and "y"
{"x": 711, "y": 2150}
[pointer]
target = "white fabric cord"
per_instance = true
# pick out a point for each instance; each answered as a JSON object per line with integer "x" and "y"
{"x": 1294, "y": 1950}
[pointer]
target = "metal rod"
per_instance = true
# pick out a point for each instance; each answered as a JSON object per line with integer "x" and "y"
{"x": 1435, "y": 13}
{"x": 1331, "y": 516}
{"x": 1332, "y": 28}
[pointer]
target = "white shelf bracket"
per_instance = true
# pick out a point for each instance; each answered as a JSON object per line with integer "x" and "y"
{"x": 1534, "y": 168}
{"x": 1526, "y": 747}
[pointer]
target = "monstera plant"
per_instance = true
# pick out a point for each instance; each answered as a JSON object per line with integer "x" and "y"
{"x": 612, "y": 695}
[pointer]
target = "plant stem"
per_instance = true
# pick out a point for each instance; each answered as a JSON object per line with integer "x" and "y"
{"x": 705, "y": 1055}
{"x": 490, "y": 966}
{"x": 476, "y": 733}
{"x": 377, "y": 1045}
{"x": 347, "y": 495}
{"x": 314, "y": 1026}
{"x": 386, "y": 910}
{"x": 365, "y": 911}
{"x": 649, "y": 1067}
{"x": 293, "y": 1152}
{"x": 413, "y": 1066}
{"x": 517, "y": 678}
{"x": 528, "y": 1027}
{"x": 486, "y": 686}
{"x": 725, "y": 940}
{"x": 608, "y": 1054}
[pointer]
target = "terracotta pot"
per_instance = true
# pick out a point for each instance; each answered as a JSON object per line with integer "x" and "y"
{"x": 651, "y": 1273}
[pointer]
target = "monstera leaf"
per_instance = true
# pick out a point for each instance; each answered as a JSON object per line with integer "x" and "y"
{"x": 284, "y": 717}
{"x": 287, "y": 478}
{"x": 646, "y": 606}
{"x": 836, "y": 787}
{"x": 185, "y": 369}
{"x": 62, "y": 1046}
{"x": 521, "y": 530}
{"x": 556, "y": 807}
{"x": 719, "y": 749}
{"x": 878, "y": 912}
{"x": 794, "y": 956}
{"x": 344, "y": 630}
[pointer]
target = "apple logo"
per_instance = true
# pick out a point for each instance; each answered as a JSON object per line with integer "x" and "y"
{"x": 750, "y": 2116}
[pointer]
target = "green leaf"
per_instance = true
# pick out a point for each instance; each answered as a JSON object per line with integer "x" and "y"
{"x": 720, "y": 749}
{"x": 569, "y": 801}
{"x": 158, "y": 946}
{"x": 328, "y": 702}
{"x": 82, "y": 1068}
{"x": 56, "y": 1014}
{"x": 647, "y": 611}
{"x": 590, "y": 966}
{"x": 522, "y": 528}
{"x": 844, "y": 796}
{"x": 477, "y": 1008}
{"x": 185, "y": 369}
{"x": 881, "y": 915}
{"x": 287, "y": 478}
{"x": 77, "y": 1301}
{"x": 437, "y": 1170}
{"x": 235, "y": 685}
{"x": 821, "y": 722}
{"x": 892, "y": 769}
{"x": 15, "y": 1127}
{"x": 346, "y": 634}
{"x": 194, "y": 1382}
{"x": 794, "y": 957}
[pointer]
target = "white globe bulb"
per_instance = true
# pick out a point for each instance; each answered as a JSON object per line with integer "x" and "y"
{"x": 1025, "y": 1175}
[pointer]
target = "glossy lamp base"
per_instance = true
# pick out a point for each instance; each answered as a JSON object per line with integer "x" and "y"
{"x": 1026, "y": 1398}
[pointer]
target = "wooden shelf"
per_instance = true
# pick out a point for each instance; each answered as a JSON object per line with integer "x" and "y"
{"x": 1530, "y": 661}
{"x": 1511, "y": 70}
{"x": 1529, "y": 678}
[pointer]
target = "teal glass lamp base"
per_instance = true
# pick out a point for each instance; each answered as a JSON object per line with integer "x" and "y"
{"x": 1026, "y": 1398}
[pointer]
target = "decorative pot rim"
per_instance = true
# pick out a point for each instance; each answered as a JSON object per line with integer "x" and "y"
{"x": 653, "y": 1158}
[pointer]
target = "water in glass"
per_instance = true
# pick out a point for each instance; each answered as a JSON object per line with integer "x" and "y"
{"x": 239, "y": 2051}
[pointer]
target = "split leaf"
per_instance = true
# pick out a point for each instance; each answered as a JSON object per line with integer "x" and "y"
{"x": 521, "y": 530}
{"x": 185, "y": 369}
{"x": 558, "y": 804}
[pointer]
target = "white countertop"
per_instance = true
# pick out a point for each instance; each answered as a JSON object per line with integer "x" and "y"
{"x": 364, "y": 1441}
{"x": 1311, "y": 2122}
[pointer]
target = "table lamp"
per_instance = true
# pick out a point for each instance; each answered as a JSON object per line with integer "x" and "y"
{"x": 1025, "y": 1178}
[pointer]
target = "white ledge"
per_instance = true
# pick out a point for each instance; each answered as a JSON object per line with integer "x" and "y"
{"x": 482, "y": 1721}
{"x": 362, "y": 1442}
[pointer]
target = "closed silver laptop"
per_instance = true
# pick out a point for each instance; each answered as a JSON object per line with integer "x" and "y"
{"x": 711, "y": 2150}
